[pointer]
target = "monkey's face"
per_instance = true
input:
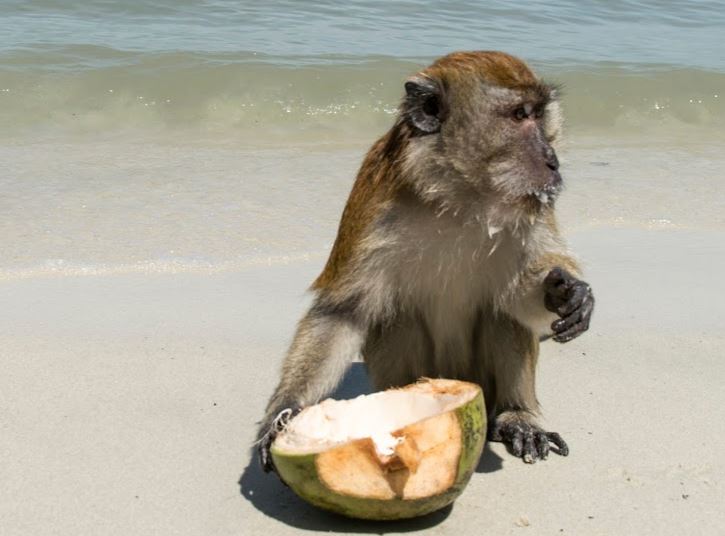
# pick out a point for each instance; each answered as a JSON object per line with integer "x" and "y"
{"x": 509, "y": 147}
{"x": 480, "y": 137}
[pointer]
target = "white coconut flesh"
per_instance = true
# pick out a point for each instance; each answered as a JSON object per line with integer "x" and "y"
{"x": 377, "y": 416}
{"x": 396, "y": 443}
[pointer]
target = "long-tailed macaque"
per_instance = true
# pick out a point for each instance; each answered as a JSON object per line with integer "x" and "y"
{"x": 448, "y": 261}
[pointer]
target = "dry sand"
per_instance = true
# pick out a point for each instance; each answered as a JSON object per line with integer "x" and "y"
{"x": 129, "y": 401}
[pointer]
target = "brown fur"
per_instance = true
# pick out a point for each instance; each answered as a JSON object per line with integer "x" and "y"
{"x": 497, "y": 68}
{"x": 377, "y": 182}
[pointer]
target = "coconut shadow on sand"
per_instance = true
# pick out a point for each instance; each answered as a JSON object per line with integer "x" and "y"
{"x": 268, "y": 495}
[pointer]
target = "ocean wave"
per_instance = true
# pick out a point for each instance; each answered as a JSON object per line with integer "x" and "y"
{"x": 262, "y": 96}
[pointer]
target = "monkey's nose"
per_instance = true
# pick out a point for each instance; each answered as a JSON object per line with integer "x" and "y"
{"x": 552, "y": 162}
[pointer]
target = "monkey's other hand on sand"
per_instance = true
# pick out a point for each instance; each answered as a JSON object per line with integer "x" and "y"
{"x": 572, "y": 300}
{"x": 526, "y": 439}
{"x": 267, "y": 435}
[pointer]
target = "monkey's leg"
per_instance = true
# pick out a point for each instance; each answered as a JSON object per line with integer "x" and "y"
{"x": 399, "y": 354}
{"x": 510, "y": 352}
{"x": 323, "y": 346}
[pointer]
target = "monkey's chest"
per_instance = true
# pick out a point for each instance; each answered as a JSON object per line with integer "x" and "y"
{"x": 443, "y": 276}
{"x": 444, "y": 284}
{"x": 448, "y": 271}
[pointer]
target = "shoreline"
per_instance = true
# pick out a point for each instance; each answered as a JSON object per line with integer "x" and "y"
{"x": 175, "y": 208}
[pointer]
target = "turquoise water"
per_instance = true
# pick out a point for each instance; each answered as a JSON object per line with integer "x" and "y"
{"x": 293, "y": 68}
{"x": 686, "y": 33}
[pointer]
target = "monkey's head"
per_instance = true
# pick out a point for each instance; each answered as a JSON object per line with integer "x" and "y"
{"x": 482, "y": 124}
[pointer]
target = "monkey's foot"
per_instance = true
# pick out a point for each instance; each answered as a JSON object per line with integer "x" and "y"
{"x": 267, "y": 436}
{"x": 526, "y": 439}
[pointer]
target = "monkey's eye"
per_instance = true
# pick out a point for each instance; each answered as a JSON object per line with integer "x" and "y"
{"x": 520, "y": 113}
{"x": 431, "y": 107}
{"x": 539, "y": 112}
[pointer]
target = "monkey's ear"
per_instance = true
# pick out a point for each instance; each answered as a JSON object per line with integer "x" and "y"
{"x": 424, "y": 105}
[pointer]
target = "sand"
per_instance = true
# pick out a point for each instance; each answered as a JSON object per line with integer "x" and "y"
{"x": 128, "y": 400}
{"x": 130, "y": 389}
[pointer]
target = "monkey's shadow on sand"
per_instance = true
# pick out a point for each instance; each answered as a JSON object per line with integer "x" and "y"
{"x": 268, "y": 495}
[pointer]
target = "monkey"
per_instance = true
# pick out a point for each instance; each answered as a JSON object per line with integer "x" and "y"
{"x": 448, "y": 261}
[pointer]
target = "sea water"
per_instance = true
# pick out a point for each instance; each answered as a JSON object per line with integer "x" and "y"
{"x": 177, "y": 135}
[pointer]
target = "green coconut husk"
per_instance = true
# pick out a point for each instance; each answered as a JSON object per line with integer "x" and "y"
{"x": 396, "y": 454}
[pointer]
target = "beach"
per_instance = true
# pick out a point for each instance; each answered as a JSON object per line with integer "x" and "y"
{"x": 166, "y": 203}
{"x": 130, "y": 395}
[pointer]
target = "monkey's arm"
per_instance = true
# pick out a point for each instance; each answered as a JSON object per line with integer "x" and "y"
{"x": 325, "y": 343}
{"x": 550, "y": 299}
{"x": 547, "y": 297}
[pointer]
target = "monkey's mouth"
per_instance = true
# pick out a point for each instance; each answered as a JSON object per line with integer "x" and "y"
{"x": 549, "y": 192}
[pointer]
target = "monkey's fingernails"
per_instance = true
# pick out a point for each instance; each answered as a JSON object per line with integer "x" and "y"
{"x": 529, "y": 448}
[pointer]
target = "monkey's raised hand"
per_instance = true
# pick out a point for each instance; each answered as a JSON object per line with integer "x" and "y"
{"x": 572, "y": 300}
{"x": 268, "y": 435}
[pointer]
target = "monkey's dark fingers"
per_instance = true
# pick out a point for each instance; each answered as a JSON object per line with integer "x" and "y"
{"x": 579, "y": 315}
{"x": 265, "y": 457}
{"x": 557, "y": 440}
{"x": 571, "y": 333}
{"x": 542, "y": 445}
{"x": 517, "y": 444}
{"x": 563, "y": 324}
{"x": 527, "y": 440}
{"x": 579, "y": 293}
{"x": 530, "y": 453}
{"x": 577, "y": 329}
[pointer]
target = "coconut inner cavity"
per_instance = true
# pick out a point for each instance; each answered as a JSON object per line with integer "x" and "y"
{"x": 376, "y": 416}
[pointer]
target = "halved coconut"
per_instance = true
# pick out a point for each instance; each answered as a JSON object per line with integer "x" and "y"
{"x": 389, "y": 455}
